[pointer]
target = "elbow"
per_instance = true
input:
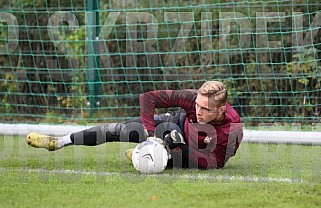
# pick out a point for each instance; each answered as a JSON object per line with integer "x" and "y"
{"x": 141, "y": 97}
{"x": 206, "y": 164}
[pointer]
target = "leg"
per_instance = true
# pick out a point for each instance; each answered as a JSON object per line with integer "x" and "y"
{"x": 131, "y": 131}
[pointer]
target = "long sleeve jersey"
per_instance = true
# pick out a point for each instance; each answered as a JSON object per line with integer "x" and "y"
{"x": 210, "y": 145}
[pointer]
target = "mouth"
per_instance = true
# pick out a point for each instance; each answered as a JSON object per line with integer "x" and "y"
{"x": 201, "y": 121}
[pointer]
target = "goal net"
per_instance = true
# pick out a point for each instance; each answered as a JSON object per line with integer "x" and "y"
{"x": 88, "y": 61}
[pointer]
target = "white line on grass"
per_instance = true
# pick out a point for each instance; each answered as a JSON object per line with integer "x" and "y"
{"x": 218, "y": 178}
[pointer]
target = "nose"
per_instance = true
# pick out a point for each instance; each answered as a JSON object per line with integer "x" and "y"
{"x": 198, "y": 110}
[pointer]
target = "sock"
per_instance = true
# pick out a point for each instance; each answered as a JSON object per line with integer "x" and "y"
{"x": 64, "y": 141}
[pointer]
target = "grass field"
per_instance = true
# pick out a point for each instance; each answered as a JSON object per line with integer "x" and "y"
{"x": 260, "y": 175}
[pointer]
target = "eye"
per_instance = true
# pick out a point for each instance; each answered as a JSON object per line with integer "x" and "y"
{"x": 202, "y": 108}
{"x": 208, "y": 110}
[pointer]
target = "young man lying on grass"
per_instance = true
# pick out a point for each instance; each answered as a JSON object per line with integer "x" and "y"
{"x": 204, "y": 134}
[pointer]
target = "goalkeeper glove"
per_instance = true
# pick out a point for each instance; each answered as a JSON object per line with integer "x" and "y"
{"x": 162, "y": 142}
{"x": 174, "y": 139}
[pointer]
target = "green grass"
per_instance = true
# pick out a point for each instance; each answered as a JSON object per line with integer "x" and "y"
{"x": 260, "y": 175}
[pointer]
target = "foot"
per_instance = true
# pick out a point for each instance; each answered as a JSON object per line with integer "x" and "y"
{"x": 42, "y": 141}
{"x": 129, "y": 154}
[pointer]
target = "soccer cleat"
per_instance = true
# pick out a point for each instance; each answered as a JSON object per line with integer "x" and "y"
{"x": 42, "y": 141}
{"x": 129, "y": 154}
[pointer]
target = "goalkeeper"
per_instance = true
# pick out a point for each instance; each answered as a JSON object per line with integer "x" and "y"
{"x": 204, "y": 134}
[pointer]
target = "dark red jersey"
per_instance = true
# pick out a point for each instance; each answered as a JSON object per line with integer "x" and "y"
{"x": 210, "y": 145}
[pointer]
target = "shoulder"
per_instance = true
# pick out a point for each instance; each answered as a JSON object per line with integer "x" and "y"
{"x": 186, "y": 91}
{"x": 231, "y": 115}
{"x": 188, "y": 94}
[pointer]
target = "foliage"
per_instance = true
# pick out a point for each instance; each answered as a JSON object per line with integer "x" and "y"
{"x": 280, "y": 85}
{"x": 9, "y": 87}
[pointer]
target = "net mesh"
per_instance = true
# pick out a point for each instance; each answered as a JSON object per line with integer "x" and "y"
{"x": 85, "y": 61}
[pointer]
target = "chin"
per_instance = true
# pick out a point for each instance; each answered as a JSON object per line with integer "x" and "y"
{"x": 202, "y": 122}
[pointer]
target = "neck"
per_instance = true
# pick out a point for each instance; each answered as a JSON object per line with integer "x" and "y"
{"x": 220, "y": 118}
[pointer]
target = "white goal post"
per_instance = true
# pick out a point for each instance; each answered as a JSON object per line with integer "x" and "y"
{"x": 257, "y": 136}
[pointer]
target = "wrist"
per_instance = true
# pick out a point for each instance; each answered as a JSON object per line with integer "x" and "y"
{"x": 150, "y": 133}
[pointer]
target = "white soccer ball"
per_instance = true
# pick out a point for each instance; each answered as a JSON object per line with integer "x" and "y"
{"x": 150, "y": 157}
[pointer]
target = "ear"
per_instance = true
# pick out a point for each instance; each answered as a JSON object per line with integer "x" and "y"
{"x": 222, "y": 109}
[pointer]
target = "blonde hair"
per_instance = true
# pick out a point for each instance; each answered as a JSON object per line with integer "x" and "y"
{"x": 216, "y": 90}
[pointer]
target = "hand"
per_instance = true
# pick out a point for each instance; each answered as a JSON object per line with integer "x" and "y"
{"x": 174, "y": 139}
{"x": 162, "y": 142}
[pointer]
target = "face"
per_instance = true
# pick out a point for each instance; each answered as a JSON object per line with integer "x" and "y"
{"x": 206, "y": 111}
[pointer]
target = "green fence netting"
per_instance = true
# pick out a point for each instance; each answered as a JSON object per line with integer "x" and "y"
{"x": 88, "y": 61}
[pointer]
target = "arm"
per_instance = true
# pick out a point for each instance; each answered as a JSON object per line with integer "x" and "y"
{"x": 218, "y": 152}
{"x": 175, "y": 142}
{"x": 202, "y": 160}
{"x": 163, "y": 99}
